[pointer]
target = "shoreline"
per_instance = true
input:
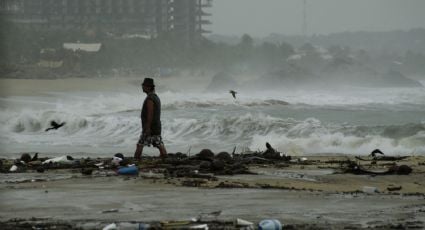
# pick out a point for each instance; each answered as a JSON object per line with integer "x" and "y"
{"x": 313, "y": 193}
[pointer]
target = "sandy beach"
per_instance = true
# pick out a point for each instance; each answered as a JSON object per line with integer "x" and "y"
{"x": 314, "y": 194}
{"x": 310, "y": 191}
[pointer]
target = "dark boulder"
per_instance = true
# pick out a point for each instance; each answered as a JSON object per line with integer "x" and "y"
{"x": 86, "y": 171}
{"x": 402, "y": 170}
{"x": 205, "y": 154}
{"x": 26, "y": 157}
{"x": 224, "y": 156}
{"x": 205, "y": 165}
{"x": 40, "y": 169}
{"x": 217, "y": 165}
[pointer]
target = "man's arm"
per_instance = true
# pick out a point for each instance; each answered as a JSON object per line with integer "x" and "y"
{"x": 149, "y": 105}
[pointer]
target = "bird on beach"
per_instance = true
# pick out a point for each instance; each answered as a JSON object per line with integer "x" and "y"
{"x": 374, "y": 152}
{"x": 55, "y": 125}
{"x": 233, "y": 93}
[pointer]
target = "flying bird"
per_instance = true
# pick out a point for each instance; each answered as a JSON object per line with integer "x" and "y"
{"x": 233, "y": 93}
{"x": 55, "y": 125}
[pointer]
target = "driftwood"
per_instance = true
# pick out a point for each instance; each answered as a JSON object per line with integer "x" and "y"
{"x": 354, "y": 168}
{"x": 382, "y": 158}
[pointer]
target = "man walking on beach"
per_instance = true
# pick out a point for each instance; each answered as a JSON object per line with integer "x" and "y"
{"x": 151, "y": 121}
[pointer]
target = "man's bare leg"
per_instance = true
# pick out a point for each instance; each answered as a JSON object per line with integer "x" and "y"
{"x": 138, "y": 152}
{"x": 162, "y": 151}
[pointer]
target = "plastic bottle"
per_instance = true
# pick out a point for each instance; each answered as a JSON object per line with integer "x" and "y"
{"x": 271, "y": 224}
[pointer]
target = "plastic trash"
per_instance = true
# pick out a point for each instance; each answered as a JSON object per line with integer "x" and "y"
{"x": 110, "y": 227}
{"x": 61, "y": 159}
{"x": 271, "y": 224}
{"x": 370, "y": 189}
{"x": 13, "y": 168}
{"x": 131, "y": 170}
{"x": 143, "y": 226}
{"x": 133, "y": 226}
{"x": 200, "y": 226}
{"x": 116, "y": 161}
{"x": 110, "y": 210}
{"x": 241, "y": 222}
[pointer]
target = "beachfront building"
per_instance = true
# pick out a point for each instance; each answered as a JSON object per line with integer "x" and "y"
{"x": 150, "y": 18}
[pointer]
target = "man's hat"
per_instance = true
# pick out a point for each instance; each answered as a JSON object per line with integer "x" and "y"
{"x": 148, "y": 82}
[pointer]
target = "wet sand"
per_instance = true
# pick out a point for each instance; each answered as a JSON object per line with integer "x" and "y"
{"x": 32, "y": 87}
{"x": 314, "y": 195}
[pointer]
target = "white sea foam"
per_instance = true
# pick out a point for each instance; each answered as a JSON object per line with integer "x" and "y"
{"x": 106, "y": 122}
{"x": 344, "y": 96}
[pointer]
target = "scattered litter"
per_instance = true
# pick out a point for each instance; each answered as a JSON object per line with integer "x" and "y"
{"x": 86, "y": 171}
{"x": 110, "y": 210}
{"x": 61, "y": 159}
{"x": 116, "y": 161}
{"x": 133, "y": 226}
{"x": 112, "y": 226}
{"x": 392, "y": 188}
{"x": 201, "y": 226}
{"x": 271, "y": 224}
{"x": 26, "y": 158}
{"x": 370, "y": 189}
{"x": 209, "y": 216}
{"x": 241, "y": 222}
{"x": 131, "y": 170}
{"x": 13, "y": 168}
{"x": 143, "y": 226}
{"x": 174, "y": 224}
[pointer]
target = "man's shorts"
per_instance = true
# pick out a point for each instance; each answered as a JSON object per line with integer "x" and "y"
{"x": 154, "y": 140}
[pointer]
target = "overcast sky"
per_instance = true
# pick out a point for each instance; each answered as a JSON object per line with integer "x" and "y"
{"x": 262, "y": 17}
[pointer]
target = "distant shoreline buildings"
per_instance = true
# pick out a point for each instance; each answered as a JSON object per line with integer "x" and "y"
{"x": 150, "y": 18}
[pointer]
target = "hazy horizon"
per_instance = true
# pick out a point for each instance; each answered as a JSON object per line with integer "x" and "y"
{"x": 261, "y": 18}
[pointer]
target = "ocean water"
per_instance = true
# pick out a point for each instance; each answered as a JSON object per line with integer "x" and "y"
{"x": 348, "y": 121}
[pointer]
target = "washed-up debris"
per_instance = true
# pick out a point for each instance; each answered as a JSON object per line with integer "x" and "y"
{"x": 400, "y": 170}
{"x": 272, "y": 153}
{"x": 224, "y": 156}
{"x": 353, "y": 167}
{"x": 13, "y": 168}
{"x": 208, "y": 216}
{"x": 110, "y": 210}
{"x": 199, "y": 226}
{"x": 225, "y": 184}
{"x": 26, "y": 157}
{"x": 370, "y": 189}
{"x": 381, "y": 157}
{"x": 61, "y": 159}
{"x": 243, "y": 223}
{"x": 129, "y": 170}
{"x": 87, "y": 171}
{"x": 193, "y": 182}
{"x": 112, "y": 226}
{"x": 271, "y": 224}
{"x": 175, "y": 224}
{"x": 392, "y": 188}
{"x": 143, "y": 226}
{"x": 205, "y": 164}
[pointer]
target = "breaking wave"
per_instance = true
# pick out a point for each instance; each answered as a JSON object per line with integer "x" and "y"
{"x": 101, "y": 122}
{"x": 220, "y": 132}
